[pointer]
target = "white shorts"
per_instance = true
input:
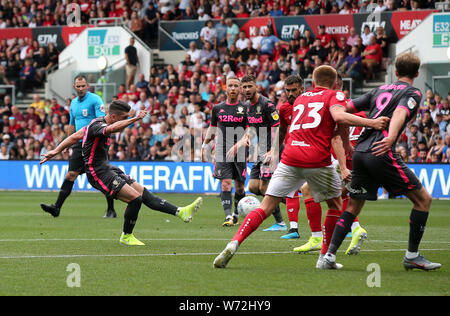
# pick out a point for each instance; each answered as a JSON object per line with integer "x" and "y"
{"x": 324, "y": 183}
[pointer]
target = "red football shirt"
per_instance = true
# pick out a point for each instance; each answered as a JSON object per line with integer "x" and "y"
{"x": 354, "y": 133}
{"x": 285, "y": 112}
{"x": 312, "y": 128}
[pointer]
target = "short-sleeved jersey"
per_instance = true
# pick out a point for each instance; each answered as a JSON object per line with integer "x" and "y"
{"x": 95, "y": 143}
{"x": 383, "y": 101}
{"x": 312, "y": 128}
{"x": 231, "y": 122}
{"x": 261, "y": 117}
{"x": 83, "y": 111}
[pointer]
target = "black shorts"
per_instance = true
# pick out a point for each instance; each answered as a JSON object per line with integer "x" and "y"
{"x": 371, "y": 172}
{"x": 261, "y": 171}
{"x": 108, "y": 179}
{"x": 76, "y": 162}
{"x": 230, "y": 170}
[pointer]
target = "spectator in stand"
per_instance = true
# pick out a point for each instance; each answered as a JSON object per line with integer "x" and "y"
{"x": 27, "y": 77}
{"x": 276, "y": 10}
{"x": 351, "y": 40}
{"x": 372, "y": 56}
{"x": 242, "y": 41}
{"x": 313, "y": 8}
{"x": 354, "y": 63}
{"x": 209, "y": 34}
{"x": 325, "y": 38}
{"x": 366, "y": 35}
{"x": 268, "y": 43}
{"x": 382, "y": 40}
{"x": 151, "y": 22}
{"x": 132, "y": 60}
{"x": 194, "y": 52}
{"x": 317, "y": 50}
{"x": 232, "y": 32}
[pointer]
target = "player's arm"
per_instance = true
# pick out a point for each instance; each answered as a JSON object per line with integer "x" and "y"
{"x": 212, "y": 129}
{"x": 69, "y": 141}
{"x": 340, "y": 116}
{"x": 121, "y": 125}
{"x": 337, "y": 142}
{"x": 99, "y": 108}
{"x": 244, "y": 141}
{"x": 359, "y": 104}
{"x": 71, "y": 129}
{"x": 398, "y": 119}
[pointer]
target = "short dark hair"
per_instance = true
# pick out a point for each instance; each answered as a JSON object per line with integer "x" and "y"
{"x": 407, "y": 65}
{"x": 80, "y": 77}
{"x": 248, "y": 78}
{"x": 119, "y": 107}
{"x": 293, "y": 79}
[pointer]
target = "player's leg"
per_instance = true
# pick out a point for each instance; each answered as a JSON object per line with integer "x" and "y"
{"x": 293, "y": 208}
{"x": 279, "y": 225}
{"x": 110, "y": 211}
{"x": 64, "y": 192}
{"x": 226, "y": 197}
{"x": 133, "y": 199}
{"x": 76, "y": 167}
{"x": 314, "y": 215}
{"x": 156, "y": 203}
{"x": 363, "y": 186}
{"x": 357, "y": 233}
{"x": 239, "y": 194}
{"x": 421, "y": 200}
{"x": 283, "y": 183}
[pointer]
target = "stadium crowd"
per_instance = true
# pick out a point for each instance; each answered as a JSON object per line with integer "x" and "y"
{"x": 180, "y": 97}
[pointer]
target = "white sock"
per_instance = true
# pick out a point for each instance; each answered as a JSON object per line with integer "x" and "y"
{"x": 317, "y": 234}
{"x": 293, "y": 225}
{"x": 354, "y": 225}
{"x": 282, "y": 223}
{"x": 411, "y": 255}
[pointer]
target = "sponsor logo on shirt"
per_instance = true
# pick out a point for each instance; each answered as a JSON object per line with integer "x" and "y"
{"x": 231, "y": 118}
{"x": 301, "y": 143}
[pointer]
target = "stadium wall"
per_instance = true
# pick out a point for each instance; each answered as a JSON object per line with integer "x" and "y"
{"x": 170, "y": 177}
{"x": 396, "y": 24}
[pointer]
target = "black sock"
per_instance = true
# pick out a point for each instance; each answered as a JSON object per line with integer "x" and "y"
{"x": 417, "y": 222}
{"x": 156, "y": 203}
{"x": 237, "y": 198}
{"x": 64, "y": 192}
{"x": 277, "y": 214}
{"x": 131, "y": 215}
{"x": 343, "y": 226}
{"x": 110, "y": 202}
{"x": 226, "y": 202}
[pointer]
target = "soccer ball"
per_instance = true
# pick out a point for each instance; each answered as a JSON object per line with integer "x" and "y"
{"x": 247, "y": 204}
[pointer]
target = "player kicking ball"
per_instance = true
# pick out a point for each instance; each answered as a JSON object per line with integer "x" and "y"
{"x": 112, "y": 181}
{"x": 376, "y": 164}
{"x": 343, "y": 163}
{"x": 306, "y": 157}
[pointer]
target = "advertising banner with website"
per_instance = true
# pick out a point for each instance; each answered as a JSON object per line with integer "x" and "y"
{"x": 61, "y": 36}
{"x": 396, "y": 24}
{"x": 170, "y": 177}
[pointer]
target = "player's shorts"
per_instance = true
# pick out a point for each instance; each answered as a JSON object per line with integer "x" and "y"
{"x": 108, "y": 179}
{"x": 371, "y": 172}
{"x": 76, "y": 162}
{"x": 324, "y": 183}
{"x": 261, "y": 171}
{"x": 230, "y": 170}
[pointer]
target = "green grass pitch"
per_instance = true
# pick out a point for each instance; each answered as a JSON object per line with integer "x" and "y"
{"x": 36, "y": 250}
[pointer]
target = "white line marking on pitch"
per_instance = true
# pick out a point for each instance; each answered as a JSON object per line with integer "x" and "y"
{"x": 182, "y": 254}
{"x": 189, "y": 239}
